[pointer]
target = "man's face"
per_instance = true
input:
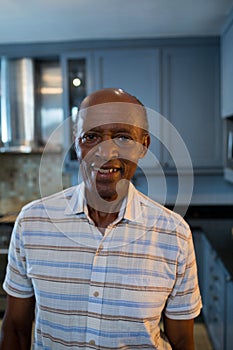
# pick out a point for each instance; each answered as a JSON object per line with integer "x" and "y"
{"x": 109, "y": 145}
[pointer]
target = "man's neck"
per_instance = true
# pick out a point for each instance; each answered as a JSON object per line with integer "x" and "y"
{"x": 102, "y": 219}
{"x": 102, "y": 211}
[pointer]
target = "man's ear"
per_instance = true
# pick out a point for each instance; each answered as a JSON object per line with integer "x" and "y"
{"x": 145, "y": 144}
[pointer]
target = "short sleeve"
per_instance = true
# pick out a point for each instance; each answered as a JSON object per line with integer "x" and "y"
{"x": 184, "y": 301}
{"x": 16, "y": 282}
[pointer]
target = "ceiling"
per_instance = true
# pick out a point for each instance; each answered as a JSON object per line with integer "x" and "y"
{"x": 25, "y": 21}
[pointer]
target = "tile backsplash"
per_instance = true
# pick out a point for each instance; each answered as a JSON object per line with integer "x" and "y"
{"x": 24, "y": 177}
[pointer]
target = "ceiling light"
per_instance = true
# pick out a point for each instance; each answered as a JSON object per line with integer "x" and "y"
{"x": 77, "y": 82}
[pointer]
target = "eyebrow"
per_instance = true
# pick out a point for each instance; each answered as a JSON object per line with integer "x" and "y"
{"x": 122, "y": 128}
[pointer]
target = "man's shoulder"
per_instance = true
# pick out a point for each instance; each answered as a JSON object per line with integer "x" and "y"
{"x": 160, "y": 216}
{"x": 54, "y": 202}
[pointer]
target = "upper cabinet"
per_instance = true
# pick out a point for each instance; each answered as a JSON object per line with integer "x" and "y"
{"x": 227, "y": 71}
{"x": 181, "y": 83}
{"x": 177, "y": 80}
{"x": 77, "y": 72}
{"x": 191, "y": 102}
{"x": 134, "y": 70}
{"x": 137, "y": 71}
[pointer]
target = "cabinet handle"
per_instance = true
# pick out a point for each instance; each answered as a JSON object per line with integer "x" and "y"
{"x": 228, "y": 278}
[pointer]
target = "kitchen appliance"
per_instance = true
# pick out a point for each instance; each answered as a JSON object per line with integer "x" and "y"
{"x": 17, "y": 104}
{"x": 31, "y": 103}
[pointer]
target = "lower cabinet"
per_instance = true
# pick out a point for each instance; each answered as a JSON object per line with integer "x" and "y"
{"x": 214, "y": 313}
{"x": 229, "y": 313}
{"x": 217, "y": 290}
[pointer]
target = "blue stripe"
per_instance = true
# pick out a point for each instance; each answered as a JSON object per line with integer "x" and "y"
{"x": 86, "y": 330}
{"x": 45, "y": 207}
{"x": 50, "y": 233}
{"x": 101, "y": 270}
{"x": 64, "y": 264}
{"x": 98, "y": 301}
{"x": 42, "y": 234}
{"x": 20, "y": 287}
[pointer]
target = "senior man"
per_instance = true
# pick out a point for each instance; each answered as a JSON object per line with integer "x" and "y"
{"x": 100, "y": 265}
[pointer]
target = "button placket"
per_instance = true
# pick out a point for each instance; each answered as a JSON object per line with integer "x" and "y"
{"x": 96, "y": 295}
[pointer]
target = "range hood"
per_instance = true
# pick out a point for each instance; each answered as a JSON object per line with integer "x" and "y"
{"x": 17, "y": 123}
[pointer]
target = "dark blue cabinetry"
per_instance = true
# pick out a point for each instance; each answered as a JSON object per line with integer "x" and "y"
{"x": 216, "y": 287}
{"x": 227, "y": 70}
{"x": 182, "y": 83}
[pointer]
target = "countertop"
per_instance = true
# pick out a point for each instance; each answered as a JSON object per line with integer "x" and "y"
{"x": 8, "y": 218}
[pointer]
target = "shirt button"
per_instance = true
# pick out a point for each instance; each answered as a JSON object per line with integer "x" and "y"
{"x": 96, "y": 294}
{"x": 101, "y": 247}
{"x": 92, "y": 342}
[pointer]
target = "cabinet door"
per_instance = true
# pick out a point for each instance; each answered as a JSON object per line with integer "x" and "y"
{"x": 134, "y": 70}
{"x": 78, "y": 81}
{"x": 227, "y": 72}
{"x": 216, "y": 302}
{"x": 138, "y": 72}
{"x": 204, "y": 252}
{"x": 191, "y": 102}
{"x": 229, "y": 314}
{"x": 202, "y": 248}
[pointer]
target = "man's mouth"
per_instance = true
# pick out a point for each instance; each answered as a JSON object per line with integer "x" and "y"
{"x": 106, "y": 170}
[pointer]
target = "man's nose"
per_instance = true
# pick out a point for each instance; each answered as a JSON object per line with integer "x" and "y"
{"x": 107, "y": 149}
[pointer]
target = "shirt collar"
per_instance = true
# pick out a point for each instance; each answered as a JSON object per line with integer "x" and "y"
{"x": 76, "y": 203}
{"x": 133, "y": 210}
{"x": 130, "y": 210}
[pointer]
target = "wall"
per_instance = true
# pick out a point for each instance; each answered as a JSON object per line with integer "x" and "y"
{"x": 24, "y": 177}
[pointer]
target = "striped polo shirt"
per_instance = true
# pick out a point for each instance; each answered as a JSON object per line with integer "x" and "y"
{"x": 102, "y": 292}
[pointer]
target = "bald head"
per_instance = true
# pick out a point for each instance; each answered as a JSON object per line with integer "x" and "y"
{"x": 114, "y": 97}
{"x": 108, "y": 95}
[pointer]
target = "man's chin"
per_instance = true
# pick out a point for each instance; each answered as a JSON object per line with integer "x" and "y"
{"x": 115, "y": 192}
{"x": 108, "y": 196}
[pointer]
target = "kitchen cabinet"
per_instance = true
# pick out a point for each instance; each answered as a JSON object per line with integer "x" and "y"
{"x": 191, "y": 102}
{"x": 179, "y": 81}
{"x": 137, "y": 71}
{"x": 216, "y": 287}
{"x": 78, "y": 82}
{"x": 178, "y": 78}
{"x": 229, "y": 323}
{"x": 202, "y": 247}
{"x": 183, "y": 86}
{"x": 214, "y": 312}
{"x": 227, "y": 71}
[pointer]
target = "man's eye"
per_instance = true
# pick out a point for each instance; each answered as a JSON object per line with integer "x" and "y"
{"x": 124, "y": 140}
{"x": 89, "y": 138}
